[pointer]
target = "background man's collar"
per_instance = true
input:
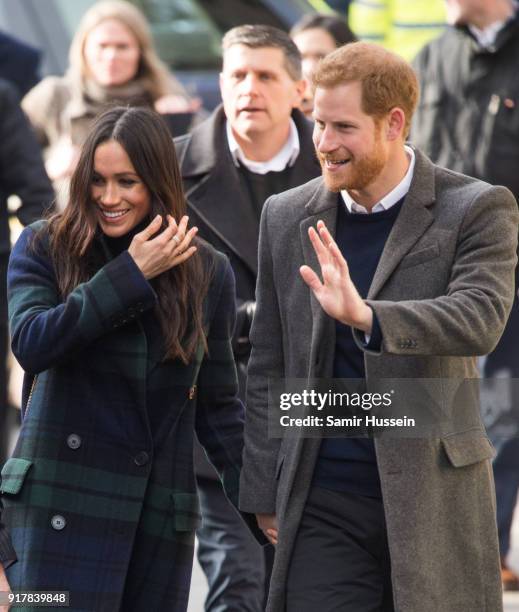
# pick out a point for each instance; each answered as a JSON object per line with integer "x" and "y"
{"x": 286, "y": 156}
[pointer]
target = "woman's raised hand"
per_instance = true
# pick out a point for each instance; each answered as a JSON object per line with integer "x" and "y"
{"x": 166, "y": 250}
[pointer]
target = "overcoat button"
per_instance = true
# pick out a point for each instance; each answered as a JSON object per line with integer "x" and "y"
{"x": 141, "y": 458}
{"x": 58, "y": 522}
{"x": 74, "y": 441}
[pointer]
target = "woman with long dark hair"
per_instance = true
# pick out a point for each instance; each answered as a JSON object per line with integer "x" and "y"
{"x": 122, "y": 321}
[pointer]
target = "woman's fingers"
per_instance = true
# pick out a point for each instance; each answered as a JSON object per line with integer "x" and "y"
{"x": 184, "y": 244}
{"x": 150, "y": 229}
{"x": 182, "y": 228}
{"x": 178, "y": 259}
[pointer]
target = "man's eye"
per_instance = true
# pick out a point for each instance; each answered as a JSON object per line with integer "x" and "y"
{"x": 265, "y": 77}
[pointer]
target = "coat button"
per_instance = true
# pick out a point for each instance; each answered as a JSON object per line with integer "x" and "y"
{"x": 141, "y": 458}
{"x": 74, "y": 441}
{"x": 58, "y": 522}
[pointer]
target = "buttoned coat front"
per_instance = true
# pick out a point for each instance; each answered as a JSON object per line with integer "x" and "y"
{"x": 442, "y": 293}
{"x": 94, "y": 503}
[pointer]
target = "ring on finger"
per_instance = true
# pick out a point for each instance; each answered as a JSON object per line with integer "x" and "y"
{"x": 176, "y": 239}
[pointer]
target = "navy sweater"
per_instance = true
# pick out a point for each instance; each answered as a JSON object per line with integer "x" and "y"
{"x": 350, "y": 464}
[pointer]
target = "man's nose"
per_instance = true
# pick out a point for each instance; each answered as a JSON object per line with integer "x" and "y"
{"x": 326, "y": 141}
{"x": 249, "y": 85}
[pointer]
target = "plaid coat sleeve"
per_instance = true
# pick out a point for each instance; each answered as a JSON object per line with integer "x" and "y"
{"x": 38, "y": 316}
{"x": 220, "y": 415}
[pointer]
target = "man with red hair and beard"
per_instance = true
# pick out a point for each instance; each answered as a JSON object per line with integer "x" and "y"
{"x": 416, "y": 267}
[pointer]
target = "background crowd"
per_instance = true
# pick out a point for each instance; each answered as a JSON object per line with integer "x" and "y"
{"x": 465, "y": 54}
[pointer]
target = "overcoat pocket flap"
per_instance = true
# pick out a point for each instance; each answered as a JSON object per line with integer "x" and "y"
{"x": 186, "y": 511}
{"x": 13, "y": 475}
{"x": 468, "y": 448}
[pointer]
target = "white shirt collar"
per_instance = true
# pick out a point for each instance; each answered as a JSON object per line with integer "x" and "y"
{"x": 286, "y": 156}
{"x": 389, "y": 200}
{"x": 487, "y": 36}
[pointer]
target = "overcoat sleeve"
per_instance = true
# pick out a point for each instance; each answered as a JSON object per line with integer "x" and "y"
{"x": 469, "y": 319}
{"x": 45, "y": 329}
{"x": 258, "y": 480}
{"x": 219, "y": 412}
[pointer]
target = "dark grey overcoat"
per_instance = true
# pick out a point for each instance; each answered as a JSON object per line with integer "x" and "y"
{"x": 442, "y": 293}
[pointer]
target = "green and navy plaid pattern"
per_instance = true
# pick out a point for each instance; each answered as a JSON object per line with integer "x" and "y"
{"x": 95, "y": 502}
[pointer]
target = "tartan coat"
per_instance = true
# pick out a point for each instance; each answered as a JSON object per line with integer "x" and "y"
{"x": 94, "y": 505}
{"x": 442, "y": 292}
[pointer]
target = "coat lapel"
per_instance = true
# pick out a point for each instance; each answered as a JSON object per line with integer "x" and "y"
{"x": 224, "y": 213}
{"x": 411, "y": 223}
{"x": 322, "y": 206}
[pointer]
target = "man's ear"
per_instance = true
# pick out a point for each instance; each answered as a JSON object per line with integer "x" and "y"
{"x": 395, "y": 126}
{"x": 300, "y": 90}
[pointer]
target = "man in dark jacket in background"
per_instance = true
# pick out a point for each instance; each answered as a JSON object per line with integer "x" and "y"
{"x": 19, "y": 63}
{"x": 22, "y": 174}
{"x": 468, "y": 120}
{"x": 253, "y": 146}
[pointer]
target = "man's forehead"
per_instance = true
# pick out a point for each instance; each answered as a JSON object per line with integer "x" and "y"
{"x": 254, "y": 58}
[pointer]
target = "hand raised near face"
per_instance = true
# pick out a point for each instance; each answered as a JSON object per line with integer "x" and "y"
{"x": 337, "y": 294}
{"x": 166, "y": 250}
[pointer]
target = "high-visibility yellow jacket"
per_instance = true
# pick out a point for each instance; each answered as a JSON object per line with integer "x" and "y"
{"x": 404, "y": 26}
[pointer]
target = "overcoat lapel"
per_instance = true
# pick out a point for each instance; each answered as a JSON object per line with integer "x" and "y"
{"x": 322, "y": 206}
{"x": 224, "y": 213}
{"x": 410, "y": 225}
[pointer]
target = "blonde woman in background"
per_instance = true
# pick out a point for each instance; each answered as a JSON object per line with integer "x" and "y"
{"x": 112, "y": 60}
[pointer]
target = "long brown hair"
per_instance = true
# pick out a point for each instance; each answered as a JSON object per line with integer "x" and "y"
{"x": 181, "y": 290}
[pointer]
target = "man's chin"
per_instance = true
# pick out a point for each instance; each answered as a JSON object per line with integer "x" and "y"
{"x": 334, "y": 183}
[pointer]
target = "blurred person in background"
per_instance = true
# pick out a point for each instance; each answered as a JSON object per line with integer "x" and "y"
{"x": 22, "y": 174}
{"x": 255, "y": 144}
{"x": 340, "y": 6}
{"x": 112, "y": 61}
{"x": 403, "y": 26}
{"x": 19, "y": 63}
{"x": 315, "y": 36}
{"x": 468, "y": 120}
